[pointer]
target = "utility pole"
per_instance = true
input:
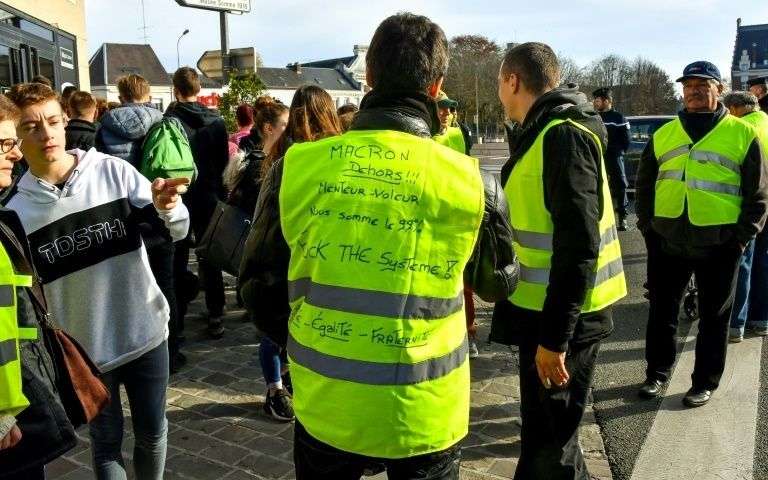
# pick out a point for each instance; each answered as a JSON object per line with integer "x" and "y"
{"x": 477, "y": 109}
{"x": 225, "y": 65}
{"x": 144, "y": 23}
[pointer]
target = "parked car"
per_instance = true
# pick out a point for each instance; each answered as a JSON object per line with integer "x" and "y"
{"x": 641, "y": 129}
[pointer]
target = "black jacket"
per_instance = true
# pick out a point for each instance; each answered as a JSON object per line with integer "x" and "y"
{"x": 46, "y": 431}
{"x": 618, "y": 132}
{"x": 492, "y": 270}
{"x": 209, "y": 141}
{"x": 246, "y": 191}
{"x": 764, "y": 103}
{"x": 572, "y": 181}
{"x": 80, "y": 134}
{"x": 679, "y": 235}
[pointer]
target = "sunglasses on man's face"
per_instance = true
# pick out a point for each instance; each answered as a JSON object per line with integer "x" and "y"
{"x": 7, "y": 144}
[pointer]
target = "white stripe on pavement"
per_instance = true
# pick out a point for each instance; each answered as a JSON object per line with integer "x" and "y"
{"x": 713, "y": 442}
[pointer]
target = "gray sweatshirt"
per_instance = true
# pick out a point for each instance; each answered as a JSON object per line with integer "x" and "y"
{"x": 88, "y": 252}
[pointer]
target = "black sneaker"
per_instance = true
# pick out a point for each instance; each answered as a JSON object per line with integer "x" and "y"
{"x": 215, "y": 327}
{"x": 279, "y": 405}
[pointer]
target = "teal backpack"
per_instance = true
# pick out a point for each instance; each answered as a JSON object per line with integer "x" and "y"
{"x": 166, "y": 152}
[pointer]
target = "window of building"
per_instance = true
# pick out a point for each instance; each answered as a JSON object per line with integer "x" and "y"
{"x": 36, "y": 29}
{"x": 6, "y": 79}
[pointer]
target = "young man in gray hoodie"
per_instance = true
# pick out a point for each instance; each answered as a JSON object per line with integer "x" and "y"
{"x": 80, "y": 211}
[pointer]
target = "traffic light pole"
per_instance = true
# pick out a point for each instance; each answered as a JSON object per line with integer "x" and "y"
{"x": 225, "y": 65}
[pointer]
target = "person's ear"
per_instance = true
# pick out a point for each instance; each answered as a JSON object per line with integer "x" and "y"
{"x": 435, "y": 88}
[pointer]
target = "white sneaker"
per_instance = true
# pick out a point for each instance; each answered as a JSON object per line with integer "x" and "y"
{"x": 473, "y": 351}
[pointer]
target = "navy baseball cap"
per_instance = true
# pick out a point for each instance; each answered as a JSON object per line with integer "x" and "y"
{"x": 757, "y": 81}
{"x": 701, "y": 69}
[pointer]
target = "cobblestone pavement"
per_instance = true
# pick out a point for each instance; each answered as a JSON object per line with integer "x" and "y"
{"x": 218, "y": 430}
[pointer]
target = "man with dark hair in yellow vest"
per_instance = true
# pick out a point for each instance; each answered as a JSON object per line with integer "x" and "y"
{"x": 701, "y": 198}
{"x": 571, "y": 271}
{"x": 371, "y": 237}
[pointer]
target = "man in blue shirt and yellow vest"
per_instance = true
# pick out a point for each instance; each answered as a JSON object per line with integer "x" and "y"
{"x": 372, "y": 236}
{"x": 701, "y": 198}
{"x": 571, "y": 271}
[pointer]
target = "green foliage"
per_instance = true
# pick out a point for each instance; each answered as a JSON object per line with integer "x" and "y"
{"x": 244, "y": 87}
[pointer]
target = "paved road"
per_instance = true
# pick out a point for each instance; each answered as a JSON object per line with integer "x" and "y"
{"x": 715, "y": 441}
{"x": 217, "y": 428}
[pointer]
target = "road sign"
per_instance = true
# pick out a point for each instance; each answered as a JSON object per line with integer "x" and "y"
{"x": 218, "y": 5}
{"x": 240, "y": 59}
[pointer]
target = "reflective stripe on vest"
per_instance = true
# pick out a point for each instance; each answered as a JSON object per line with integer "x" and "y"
{"x": 705, "y": 176}
{"x": 368, "y": 302}
{"x": 453, "y": 138}
{"x": 532, "y": 232}
{"x": 380, "y": 225}
{"x": 12, "y": 399}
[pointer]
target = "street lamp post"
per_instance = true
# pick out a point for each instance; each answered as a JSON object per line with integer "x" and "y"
{"x": 178, "y": 61}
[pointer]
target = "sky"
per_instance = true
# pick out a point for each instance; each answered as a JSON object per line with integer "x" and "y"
{"x": 671, "y": 33}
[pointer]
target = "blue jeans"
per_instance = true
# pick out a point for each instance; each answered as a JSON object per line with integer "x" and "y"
{"x": 750, "y": 307}
{"x": 145, "y": 380}
{"x": 269, "y": 358}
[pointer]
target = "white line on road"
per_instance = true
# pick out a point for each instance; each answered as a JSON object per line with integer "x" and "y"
{"x": 713, "y": 442}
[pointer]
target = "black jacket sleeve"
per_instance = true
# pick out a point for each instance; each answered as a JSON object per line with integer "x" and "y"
{"x": 645, "y": 187}
{"x": 572, "y": 183}
{"x": 493, "y": 269}
{"x": 263, "y": 278}
{"x": 754, "y": 190}
{"x": 624, "y": 134}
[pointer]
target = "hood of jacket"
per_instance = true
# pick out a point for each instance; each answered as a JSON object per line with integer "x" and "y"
{"x": 565, "y": 102}
{"x": 193, "y": 114}
{"x": 77, "y": 125}
{"x": 131, "y": 121}
{"x": 40, "y": 191}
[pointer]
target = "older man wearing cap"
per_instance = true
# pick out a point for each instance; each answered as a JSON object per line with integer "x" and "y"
{"x": 456, "y": 137}
{"x": 759, "y": 87}
{"x": 701, "y": 198}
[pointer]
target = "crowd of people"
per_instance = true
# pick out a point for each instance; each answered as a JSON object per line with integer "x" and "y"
{"x": 372, "y": 228}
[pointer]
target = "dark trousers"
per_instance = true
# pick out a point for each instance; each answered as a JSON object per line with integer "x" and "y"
{"x": 617, "y": 182}
{"x": 315, "y": 460}
{"x": 161, "y": 263}
{"x": 549, "y": 437}
{"x": 668, "y": 276}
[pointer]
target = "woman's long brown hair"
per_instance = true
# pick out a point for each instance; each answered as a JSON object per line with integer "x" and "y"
{"x": 312, "y": 116}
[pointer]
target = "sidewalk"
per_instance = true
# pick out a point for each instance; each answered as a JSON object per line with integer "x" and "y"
{"x": 217, "y": 428}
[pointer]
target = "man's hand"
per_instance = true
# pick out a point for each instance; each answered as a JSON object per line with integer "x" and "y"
{"x": 166, "y": 191}
{"x": 11, "y": 438}
{"x": 551, "y": 367}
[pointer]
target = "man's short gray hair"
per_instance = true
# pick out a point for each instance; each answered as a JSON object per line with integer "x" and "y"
{"x": 741, "y": 99}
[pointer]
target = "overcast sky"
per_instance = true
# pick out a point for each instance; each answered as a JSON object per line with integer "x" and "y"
{"x": 669, "y": 32}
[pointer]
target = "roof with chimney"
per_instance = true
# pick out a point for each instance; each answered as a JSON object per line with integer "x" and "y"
{"x": 332, "y": 62}
{"x": 294, "y": 76}
{"x": 754, "y": 40}
{"x": 113, "y": 60}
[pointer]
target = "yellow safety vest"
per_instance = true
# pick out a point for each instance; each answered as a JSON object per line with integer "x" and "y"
{"x": 532, "y": 230}
{"x": 705, "y": 176}
{"x": 452, "y": 138}
{"x": 759, "y": 120}
{"x": 380, "y": 225}
{"x": 12, "y": 400}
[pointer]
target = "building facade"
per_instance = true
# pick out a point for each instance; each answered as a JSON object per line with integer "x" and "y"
{"x": 750, "y": 54}
{"x": 43, "y": 38}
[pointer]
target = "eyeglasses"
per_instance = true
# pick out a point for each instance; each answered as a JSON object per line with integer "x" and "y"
{"x": 7, "y": 144}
